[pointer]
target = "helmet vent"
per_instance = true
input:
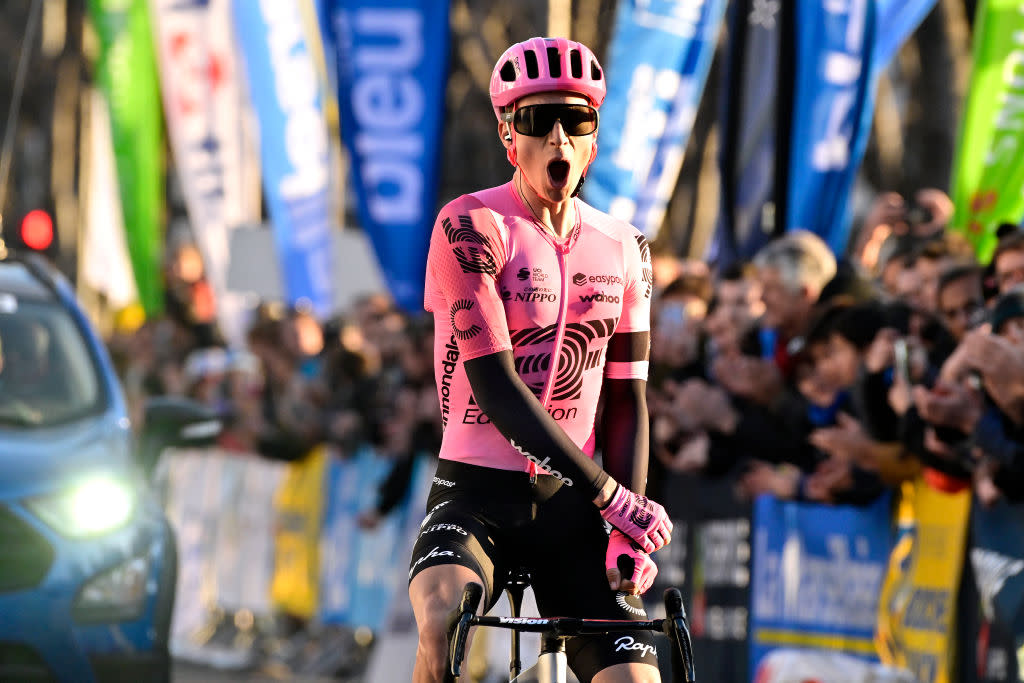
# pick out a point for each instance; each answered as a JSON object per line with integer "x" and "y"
{"x": 554, "y": 63}
{"x": 575, "y": 64}
{"x": 531, "y": 64}
{"x": 508, "y": 72}
{"x": 595, "y": 71}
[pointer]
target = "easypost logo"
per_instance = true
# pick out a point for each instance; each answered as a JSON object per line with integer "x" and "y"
{"x": 388, "y": 103}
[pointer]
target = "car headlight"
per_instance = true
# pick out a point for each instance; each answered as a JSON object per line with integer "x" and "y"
{"x": 94, "y": 506}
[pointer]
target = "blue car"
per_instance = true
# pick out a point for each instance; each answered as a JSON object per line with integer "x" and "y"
{"x": 87, "y": 558}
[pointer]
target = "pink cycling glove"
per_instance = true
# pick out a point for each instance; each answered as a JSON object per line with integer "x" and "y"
{"x": 643, "y": 520}
{"x": 624, "y": 549}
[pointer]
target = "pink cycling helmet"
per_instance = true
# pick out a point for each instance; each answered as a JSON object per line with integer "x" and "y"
{"x": 546, "y": 64}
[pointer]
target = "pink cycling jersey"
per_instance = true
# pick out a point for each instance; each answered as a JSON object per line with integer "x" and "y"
{"x": 497, "y": 280}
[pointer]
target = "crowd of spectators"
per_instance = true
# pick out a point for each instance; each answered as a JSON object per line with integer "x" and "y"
{"x": 799, "y": 374}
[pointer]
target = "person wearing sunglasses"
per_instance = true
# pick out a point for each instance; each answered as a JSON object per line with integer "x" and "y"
{"x": 541, "y": 306}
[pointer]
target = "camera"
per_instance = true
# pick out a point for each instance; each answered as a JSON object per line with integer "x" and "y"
{"x": 918, "y": 215}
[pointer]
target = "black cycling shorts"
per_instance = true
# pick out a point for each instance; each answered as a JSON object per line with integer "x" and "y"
{"x": 495, "y": 521}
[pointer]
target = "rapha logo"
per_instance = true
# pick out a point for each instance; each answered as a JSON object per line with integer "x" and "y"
{"x": 628, "y": 643}
{"x": 579, "y": 279}
{"x": 436, "y": 552}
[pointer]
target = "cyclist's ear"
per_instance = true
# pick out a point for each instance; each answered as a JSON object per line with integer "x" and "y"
{"x": 593, "y": 152}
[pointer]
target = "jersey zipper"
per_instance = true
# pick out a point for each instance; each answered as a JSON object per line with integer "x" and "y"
{"x": 562, "y": 251}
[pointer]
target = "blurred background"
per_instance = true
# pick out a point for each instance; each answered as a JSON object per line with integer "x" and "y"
{"x": 241, "y": 193}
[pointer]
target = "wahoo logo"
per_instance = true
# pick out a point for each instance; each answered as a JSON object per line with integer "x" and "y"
{"x": 628, "y": 643}
{"x": 436, "y": 552}
{"x": 543, "y": 464}
{"x": 521, "y": 620}
{"x": 467, "y": 332}
{"x": 601, "y": 297}
{"x": 579, "y": 279}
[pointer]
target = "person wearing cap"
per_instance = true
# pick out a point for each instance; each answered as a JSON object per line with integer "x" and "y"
{"x": 541, "y": 307}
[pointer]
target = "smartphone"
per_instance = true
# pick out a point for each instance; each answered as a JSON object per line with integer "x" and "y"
{"x": 902, "y": 360}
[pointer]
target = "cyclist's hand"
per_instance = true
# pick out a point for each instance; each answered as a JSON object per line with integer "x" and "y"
{"x": 643, "y": 520}
{"x": 627, "y": 566}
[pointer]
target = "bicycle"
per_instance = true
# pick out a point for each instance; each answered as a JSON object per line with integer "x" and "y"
{"x": 552, "y": 664}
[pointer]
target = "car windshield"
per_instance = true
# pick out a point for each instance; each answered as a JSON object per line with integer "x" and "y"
{"x": 47, "y": 374}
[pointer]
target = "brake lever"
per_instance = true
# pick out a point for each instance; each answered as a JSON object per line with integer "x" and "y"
{"x": 678, "y": 631}
{"x": 458, "y": 627}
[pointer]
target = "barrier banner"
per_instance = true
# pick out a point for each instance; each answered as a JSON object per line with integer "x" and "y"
{"x": 817, "y": 571}
{"x": 126, "y": 73}
{"x": 917, "y": 607}
{"x": 202, "y": 98}
{"x": 299, "y": 504}
{"x": 997, "y": 557}
{"x": 360, "y": 570}
{"x": 393, "y": 655}
{"x": 989, "y": 168}
{"x": 392, "y": 67}
{"x": 286, "y": 94}
{"x": 747, "y": 110}
{"x": 709, "y": 561}
{"x": 657, "y": 65}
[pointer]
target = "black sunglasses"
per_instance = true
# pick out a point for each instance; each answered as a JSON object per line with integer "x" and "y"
{"x": 537, "y": 120}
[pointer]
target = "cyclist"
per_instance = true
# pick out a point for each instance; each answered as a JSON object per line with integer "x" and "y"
{"x": 541, "y": 304}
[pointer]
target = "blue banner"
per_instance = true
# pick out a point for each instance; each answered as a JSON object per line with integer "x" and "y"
{"x": 392, "y": 69}
{"x": 833, "y": 105}
{"x": 657, "y": 66}
{"x": 747, "y": 140}
{"x": 817, "y": 575}
{"x": 841, "y": 48}
{"x": 285, "y": 93}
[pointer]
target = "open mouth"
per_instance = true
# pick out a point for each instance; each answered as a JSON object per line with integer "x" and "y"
{"x": 558, "y": 172}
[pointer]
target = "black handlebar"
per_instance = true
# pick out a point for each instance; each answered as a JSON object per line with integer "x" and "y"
{"x": 678, "y": 632}
{"x": 674, "y": 625}
{"x": 458, "y": 627}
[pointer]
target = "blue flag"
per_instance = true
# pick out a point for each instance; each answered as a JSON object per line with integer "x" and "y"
{"x": 392, "y": 69}
{"x": 747, "y": 140}
{"x": 841, "y": 48}
{"x": 657, "y": 66}
{"x": 285, "y": 93}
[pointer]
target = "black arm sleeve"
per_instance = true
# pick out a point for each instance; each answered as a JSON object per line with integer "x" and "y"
{"x": 626, "y": 432}
{"x": 521, "y": 419}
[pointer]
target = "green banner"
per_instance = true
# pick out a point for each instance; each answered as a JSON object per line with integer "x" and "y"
{"x": 126, "y": 72}
{"x": 988, "y": 175}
